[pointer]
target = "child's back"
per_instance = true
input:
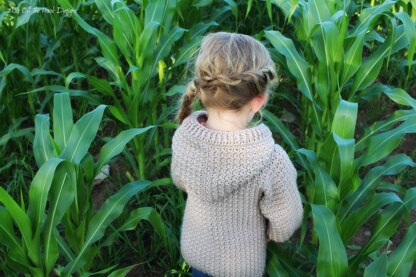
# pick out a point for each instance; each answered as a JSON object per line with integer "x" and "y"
{"x": 241, "y": 186}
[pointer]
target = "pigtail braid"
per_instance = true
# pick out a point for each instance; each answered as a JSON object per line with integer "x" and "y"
{"x": 186, "y": 101}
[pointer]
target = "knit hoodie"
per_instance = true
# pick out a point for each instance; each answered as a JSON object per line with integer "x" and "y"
{"x": 241, "y": 189}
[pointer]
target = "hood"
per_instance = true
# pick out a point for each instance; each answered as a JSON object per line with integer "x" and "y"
{"x": 215, "y": 164}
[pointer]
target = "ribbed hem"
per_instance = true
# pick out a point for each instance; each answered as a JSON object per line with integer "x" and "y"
{"x": 255, "y": 134}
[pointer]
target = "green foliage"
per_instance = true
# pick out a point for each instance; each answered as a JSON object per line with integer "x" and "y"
{"x": 336, "y": 59}
{"x": 62, "y": 187}
{"x": 328, "y": 66}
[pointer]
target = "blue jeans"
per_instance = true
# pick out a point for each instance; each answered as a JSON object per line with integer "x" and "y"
{"x": 197, "y": 273}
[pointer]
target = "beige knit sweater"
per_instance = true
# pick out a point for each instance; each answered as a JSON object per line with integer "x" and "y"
{"x": 241, "y": 188}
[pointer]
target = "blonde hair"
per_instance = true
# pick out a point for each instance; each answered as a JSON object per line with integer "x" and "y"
{"x": 230, "y": 70}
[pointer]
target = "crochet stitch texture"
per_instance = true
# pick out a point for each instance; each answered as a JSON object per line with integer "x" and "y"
{"x": 241, "y": 188}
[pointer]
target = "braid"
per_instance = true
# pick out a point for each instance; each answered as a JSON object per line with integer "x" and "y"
{"x": 186, "y": 102}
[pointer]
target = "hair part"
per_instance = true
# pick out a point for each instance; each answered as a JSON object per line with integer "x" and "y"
{"x": 230, "y": 70}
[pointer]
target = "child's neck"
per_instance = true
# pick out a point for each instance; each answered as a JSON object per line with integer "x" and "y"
{"x": 227, "y": 120}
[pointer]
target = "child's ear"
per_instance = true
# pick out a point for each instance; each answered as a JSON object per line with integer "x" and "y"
{"x": 258, "y": 102}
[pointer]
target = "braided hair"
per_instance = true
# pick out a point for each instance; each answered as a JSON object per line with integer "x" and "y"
{"x": 230, "y": 70}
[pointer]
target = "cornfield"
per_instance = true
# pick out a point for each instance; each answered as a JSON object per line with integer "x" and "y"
{"x": 88, "y": 96}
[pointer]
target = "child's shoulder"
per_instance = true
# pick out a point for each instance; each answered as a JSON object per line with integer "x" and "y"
{"x": 281, "y": 159}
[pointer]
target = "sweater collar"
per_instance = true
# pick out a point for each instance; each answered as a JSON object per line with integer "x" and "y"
{"x": 193, "y": 127}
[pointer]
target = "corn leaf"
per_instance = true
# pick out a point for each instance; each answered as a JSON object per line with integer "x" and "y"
{"x": 343, "y": 124}
{"x": 62, "y": 119}
{"x": 61, "y": 196}
{"x": 346, "y": 149}
{"x": 117, "y": 144}
{"x": 358, "y": 217}
{"x": 149, "y": 214}
{"x": 111, "y": 209}
{"x": 106, "y": 10}
{"x": 381, "y": 145}
{"x": 410, "y": 30}
{"x": 332, "y": 258}
{"x": 397, "y": 116}
{"x": 39, "y": 190}
{"x": 42, "y": 144}
{"x": 9, "y": 239}
{"x": 403, "y": 257}
{"x": 353, "y": 58}
{"x": 18, "y": 215}
{"x": 82, "y": 135}
{"x": 377, "y": 268}
{"x": 298, "y": 67}
{"x": 325, "y": 190}
{"x": 393, "y": 166}
{"x": 122, "y": 272}
{"x": 386, "y": 225}
{"x": 289, "y": 138}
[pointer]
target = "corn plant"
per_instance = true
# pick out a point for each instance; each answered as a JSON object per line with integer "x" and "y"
{"x": 136, "y": 52}
{"x": 345, "y": 172}
{"x": 59, "y": 220}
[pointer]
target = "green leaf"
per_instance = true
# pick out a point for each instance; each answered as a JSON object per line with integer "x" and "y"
{"x": 63, "y": 247}
{"x": 106, "y": 10}
{"x": 298, "y": 67}
{"x": 82, "y": 135}
{"x": 117, "y": 144}
{"x": 358, "y": 217}
{"x": 274, "y": 268}
{"x": 101, "y": 85}
{"x": 188, "y": 51}
{"x": 15, "y": 134}
{"x": 155, "y": 11}
{"x": 72, "y": 76}
{"x": 9, "y": 239}
{"x": 332, "y": 258}
{"x": 111, "y": 209}
{"x": 62, "y": 119}
{"x": 125, "y": 31}
{"x": 386, "y": 225}
{"x": 327, "y": 43}
{"x": 119, "y": 114}
{"x": 249, "y": 4}
{"x": 10, "y": 67}
{"x": 403, "y": 257}
{"x": 122, "y": 272}
{"x": 353, "y": 58}
{"x": 345, "y": 119}
{"x": 410, "y": 199}
{"x": 61, "y": 196}
{"x": 162, "y": 51}
{"x": 18, "y": 215}
{"x": 39, "y": 190}
{"x": 149, "y": 214}
{"x": 369, "y": 16}
{"x": 346, "y": 149}
{"x": 377, "y": 268}
{"x": 107, "y": 45}
{"x": 392, "y": 167}
{"x": 325, "y": 191}
{"x": 289, "y": 138}
{"x": 410, "y": 30}
{"x": 400, "y": 115}
{"x": 381, "y": 145}
{"x": 233, "y": 7}
{"x": 400, "y": 96}
{"x": 42, "y": 144}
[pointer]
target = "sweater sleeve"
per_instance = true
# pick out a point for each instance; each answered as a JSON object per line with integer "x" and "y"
{"x": 280, "y": 203}
{"x": 176, "y": 178}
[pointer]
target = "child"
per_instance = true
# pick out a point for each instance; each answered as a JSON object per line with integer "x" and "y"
{"x": 241, "y": 186}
